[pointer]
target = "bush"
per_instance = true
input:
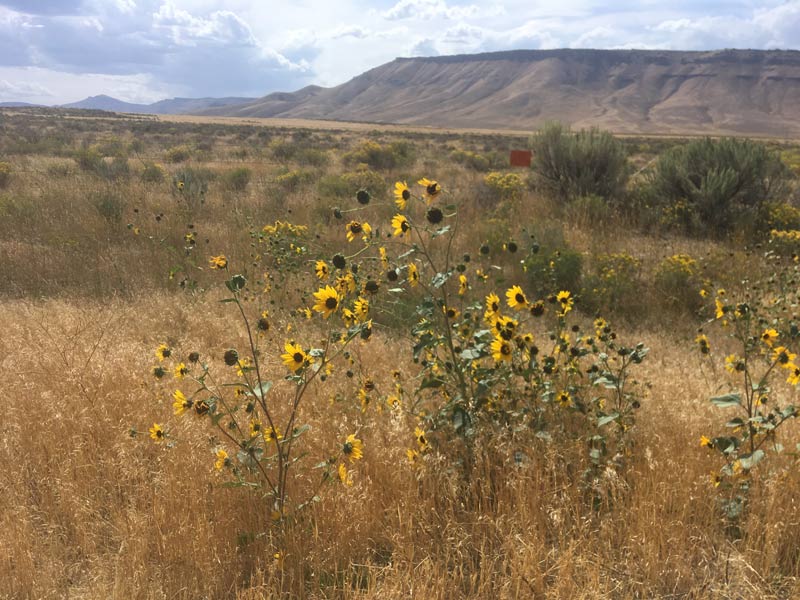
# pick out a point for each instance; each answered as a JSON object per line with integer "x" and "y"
{"x": 376, "y": 156}
{"x": 177, "y": 154}
{"x": 471, "y": 160}
{"x": 677, "y": 279}
{"x": 237, "y": 179}
{"x": 110, "y": 205}
{"x": 553, "y": 263}
{"x": 614, "y": 283}
{"x": 153, "y": 173}
{"x": 294, "y": 179}
{"x": 5, "y": 174}
{"x": 504, "y": 186}
{"x": 718, "y": 183}
{"x": 580, "y": 164}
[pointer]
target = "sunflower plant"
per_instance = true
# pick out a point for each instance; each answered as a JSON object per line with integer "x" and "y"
{"x": 491, "y": 357}
{"x": 256, "y": 418}
{"x": 761, "y": 370}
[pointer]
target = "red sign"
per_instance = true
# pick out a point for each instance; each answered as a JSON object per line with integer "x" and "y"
{"x": 521, "y": 158}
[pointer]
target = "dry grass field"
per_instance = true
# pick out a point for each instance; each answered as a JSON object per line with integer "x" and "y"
{"x": 93, "y": 222}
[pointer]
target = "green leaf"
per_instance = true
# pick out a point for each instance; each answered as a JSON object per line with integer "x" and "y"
{"x": 607, "y": 419}
{"x": 430, "y": 382}
{"x": 226, "y": 300}
{"x": 262, "y": 389}
{"x": 728, "y": 400}
{"x": 440, "y": 231}
{"x": 748, "y": 461}
{"x": 440, "y": 279}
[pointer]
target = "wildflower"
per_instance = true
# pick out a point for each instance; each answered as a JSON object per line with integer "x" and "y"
{"x": 566, "y": 301}
{"x": 218, "y": 262}
{"x": 413, "y": 275}
{"x": 706, "y": 442}
{"x": 180, "y": 185}
{"x": 422, "y": 441}
{"x": 222, "y": 459}
{"x": 344, "y": 476}
{"x": 255, "y": 428}
{"x": 794, "y": 375}
{"x": 294, "y": 357}
{"x": 321, "y": 270}
{"x": 401, "y": 194}
{"x": 783, "y": 357}
{"x": 163, "y": 351}
{"x": 515, "y": 298}
{"x": 327, "y": 301}
{"x": 769, "y": 336}
{"x": 242, "y": 366}
{"x": 157, "y": 432}
{"x": 720, "y": 309}
{"x": 263, "y": 322}
{"x": 450, "y": 312}
{"x": 361, "y": 308}
{"x": 703, "y": 343}
{"x": 501, "y": 350}
{"x": 363, "y": 197}
{"x": 353, "y": 448}
{"x": 462, "y": 285}
{"x": 564, "y": 399}
{"x": 181, "y": 403}
{"x": 413, "y": 456}
{"x": 401, "y": 225}
{"x": 273, "y": 435}
{"x": 181, "y": 370}
{"x": 194, "y": 357}
{"x": 201, "y": 408}
{"x": 346, "y": 283}
{"x": 716, "y": 479}
{"x": 432, "y": 188}
{"x": 159, "y": 371}
{"x": 384, "y": 258}
{"x": 734, "y": 364}
{"x": 339, "y": 261}
{"x": 371, "y": 287}
{"x": 492, "y": 304}
{"x": 505, "y": 327}
{"x": 348, "y": 317}
{"x": 231, "y": 357}
{"x": 356, "y": 228}
{"x": 537, "y": 308}
{"x": 305, "y": 312}
{"x": 434, "y": 215}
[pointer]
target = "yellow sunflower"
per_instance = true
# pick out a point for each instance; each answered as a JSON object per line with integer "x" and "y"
{"x": 516, "y": 299}
{"x": 357, "y": 228}
{"x": 353, "y": 448}
{"x": 401, "y": 225}
{"x": 321, "y": 270}
{"x": 401, "y": 194}
{"x": 157, "y": 432}
{"x": 218, "y": 262}
{"x": 413, "y": 274}
{"x": 501, "y": 350}
{"x": 294, "y": 357}
{"x": 327, "y": 301}
{"x": 181, "y": 403}
{"x": 432, "y": 188}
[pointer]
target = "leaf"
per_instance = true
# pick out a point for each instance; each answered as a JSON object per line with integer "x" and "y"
{"x": 262, "y": 389}
{"x": 737, "y": 422}
{"x": 226, "y": 300}
{"x": 728, "y": 400}
{"x": 440, "y": 279}
{"x": 471, "y": 354}
{"x": 440, "y": 231}
{"x": 430, "y": 382}
{"x": 607, "y": 419}
{"x": 748, "y": 461}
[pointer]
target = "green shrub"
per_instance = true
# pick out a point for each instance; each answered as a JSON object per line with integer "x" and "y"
{"x": 553, "y": 264}
{"x": 153, "y": 173}
{"x": 294, "y": 179}
{"x": 110, "y": 205}
{"x": 614, "y": 283}
{"x": 178, "y": 154}
{"x": 237, "y": 179}
{"x": 719, "y": 182}
{"x": 376, "y": 156}
{"x": 504, "y": 186}
{"x": 586, "y": 163}
{"x": 191, "y": 185}
{"x": 5, "y": 174}
{"x": 678, "y": 282}
{"x": 471, "y": 160}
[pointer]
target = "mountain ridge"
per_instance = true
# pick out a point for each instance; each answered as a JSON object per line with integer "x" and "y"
{"x": 745, "y": 92}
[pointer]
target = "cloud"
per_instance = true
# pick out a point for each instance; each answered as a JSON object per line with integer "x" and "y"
{"x": 428, "y": 9}
{"x": 21, "y": 90}
{"x": 45, "y": 7}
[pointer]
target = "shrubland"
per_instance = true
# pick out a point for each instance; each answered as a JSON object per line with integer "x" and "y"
{"x": 263, "y": 362}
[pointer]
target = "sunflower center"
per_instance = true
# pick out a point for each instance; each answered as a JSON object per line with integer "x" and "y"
{"x": 432, "y": 189}
{"x": 355, "y": 227}
{"x": 331, "y": 303}
{"x": 348, "y": 448}
{"x": 406, "y": 194}
{"x": 505, "y": 349}
{"x": 404, "y": 226}
{"x": 298, "y": 357}
{"x": 519, "y": 298}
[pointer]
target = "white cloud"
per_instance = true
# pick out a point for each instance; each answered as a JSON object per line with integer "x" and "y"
{"x": 21, "y": 90}
{"x": 428, "y": 9}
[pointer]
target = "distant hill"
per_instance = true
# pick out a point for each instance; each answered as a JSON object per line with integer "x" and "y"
{"x": 19, "y": 105}
{"x": 749, "y": 92}
{"x": 162, "y": 107}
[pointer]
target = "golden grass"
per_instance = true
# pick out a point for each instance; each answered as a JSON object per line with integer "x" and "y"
{"x": 91, "y": 512}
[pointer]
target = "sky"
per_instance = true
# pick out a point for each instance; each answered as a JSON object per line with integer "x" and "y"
{"x": 59, "y": 51}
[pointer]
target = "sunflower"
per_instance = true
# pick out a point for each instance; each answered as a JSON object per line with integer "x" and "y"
{"x": 516, "y": 299}
{"x": 432, "y": 188}
{"x": 294, "y": 357}
{"x": 163, "y": 351}
{"x": 344, "y": 476}
{"x": 412, "y": 456}
{"x": 462, "y": 285}
{"x": 255, "y": 428}
{"x": 422, "y": 441}
{"x": 505, "y": 327}
{"x": 734, "y": 364}
{"x": 401, "y": 225}
{"x": 564, "y": 399}
{"x": 384, "y": 258}
{"x": 501, "y": 350}
{"x": 769, "y": 336}
{"x": 492, "y": 304}
{"x": 361, "y": 309}
{"x": 222, "y": 460}
{"x": 401, "y": 194}
{"x": 703, "y": 343}
{"x": 218, "y": 262}
{"x": 272, "y": 435}
{"x": 181, "y": 403}
{"x": 783, "y": 357}
{"x": 353, "y": 448}
{"x": 159, "y": 371}
{"x": 566, "y": 301}
{"x": 794, "y": 375}
{"x": 181, "y": 370}
{"x": 327, "y": 301}
{"x": 321, "y": 270}
{"x": 157, "y": 432}
{"x": 356, "y": 228}
{"x": 413, "y": 274}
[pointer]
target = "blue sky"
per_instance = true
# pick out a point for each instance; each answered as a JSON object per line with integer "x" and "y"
{"x": 57, "y": 51}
